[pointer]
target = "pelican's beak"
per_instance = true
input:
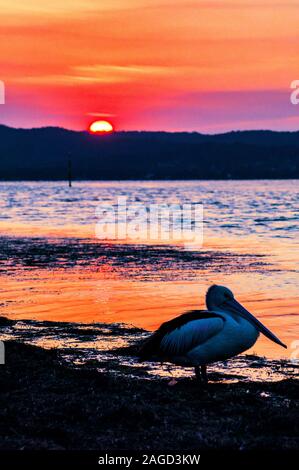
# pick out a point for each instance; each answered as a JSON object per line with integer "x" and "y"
{"x": 235, "y": 307}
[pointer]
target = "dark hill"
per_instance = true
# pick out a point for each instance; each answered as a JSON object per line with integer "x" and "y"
{"x": 42, "y": 154}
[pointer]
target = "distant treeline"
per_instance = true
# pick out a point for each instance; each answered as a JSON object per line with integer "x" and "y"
{"x": 43, "y": 154}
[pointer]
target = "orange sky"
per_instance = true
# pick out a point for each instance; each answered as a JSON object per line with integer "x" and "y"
{"x": 150, "y": 64}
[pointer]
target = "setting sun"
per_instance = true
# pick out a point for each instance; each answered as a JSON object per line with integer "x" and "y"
{"x": 100, "y": 127}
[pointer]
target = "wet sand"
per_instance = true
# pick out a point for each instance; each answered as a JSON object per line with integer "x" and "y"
{"x": 113, "y": 349}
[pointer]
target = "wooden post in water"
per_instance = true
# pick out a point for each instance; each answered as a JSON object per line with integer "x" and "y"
{"x": 69, "y": 170}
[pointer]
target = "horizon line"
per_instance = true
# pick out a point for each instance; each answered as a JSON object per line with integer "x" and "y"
{"x": 122, "y": 131}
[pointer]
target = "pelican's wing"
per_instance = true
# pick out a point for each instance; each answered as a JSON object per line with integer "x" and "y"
{"x": 189, "y": 336}
{"x": 182, "y": 334}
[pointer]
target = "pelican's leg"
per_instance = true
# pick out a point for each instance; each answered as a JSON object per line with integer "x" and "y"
{"x": 173, "y": 381}
{"x": 204, "y": 374}
{"x": 198, "y": 373}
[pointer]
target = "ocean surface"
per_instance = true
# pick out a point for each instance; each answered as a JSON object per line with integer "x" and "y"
{"x": 267, "y": 208}
{"x": 54, "y": 268}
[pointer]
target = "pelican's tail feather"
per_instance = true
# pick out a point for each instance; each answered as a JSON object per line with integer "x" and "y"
{"x": 150, "y": 347}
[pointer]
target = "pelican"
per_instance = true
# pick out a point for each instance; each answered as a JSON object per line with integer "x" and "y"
{"x": 201, "y": 337}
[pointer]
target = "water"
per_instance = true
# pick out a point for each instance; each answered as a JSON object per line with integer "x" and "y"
{"x": 53, "y": 267}
{"x": 239, "y": 208}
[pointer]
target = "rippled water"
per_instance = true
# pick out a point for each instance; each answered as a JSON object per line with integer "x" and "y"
{"x": 53, "y": 267}
{"x": 267, "y": 208}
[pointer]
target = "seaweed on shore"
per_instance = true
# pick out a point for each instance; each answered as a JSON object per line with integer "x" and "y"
{"x": 47, "y": 405}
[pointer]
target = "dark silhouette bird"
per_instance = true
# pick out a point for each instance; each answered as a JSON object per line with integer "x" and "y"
{"x": 201, "y": 337}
